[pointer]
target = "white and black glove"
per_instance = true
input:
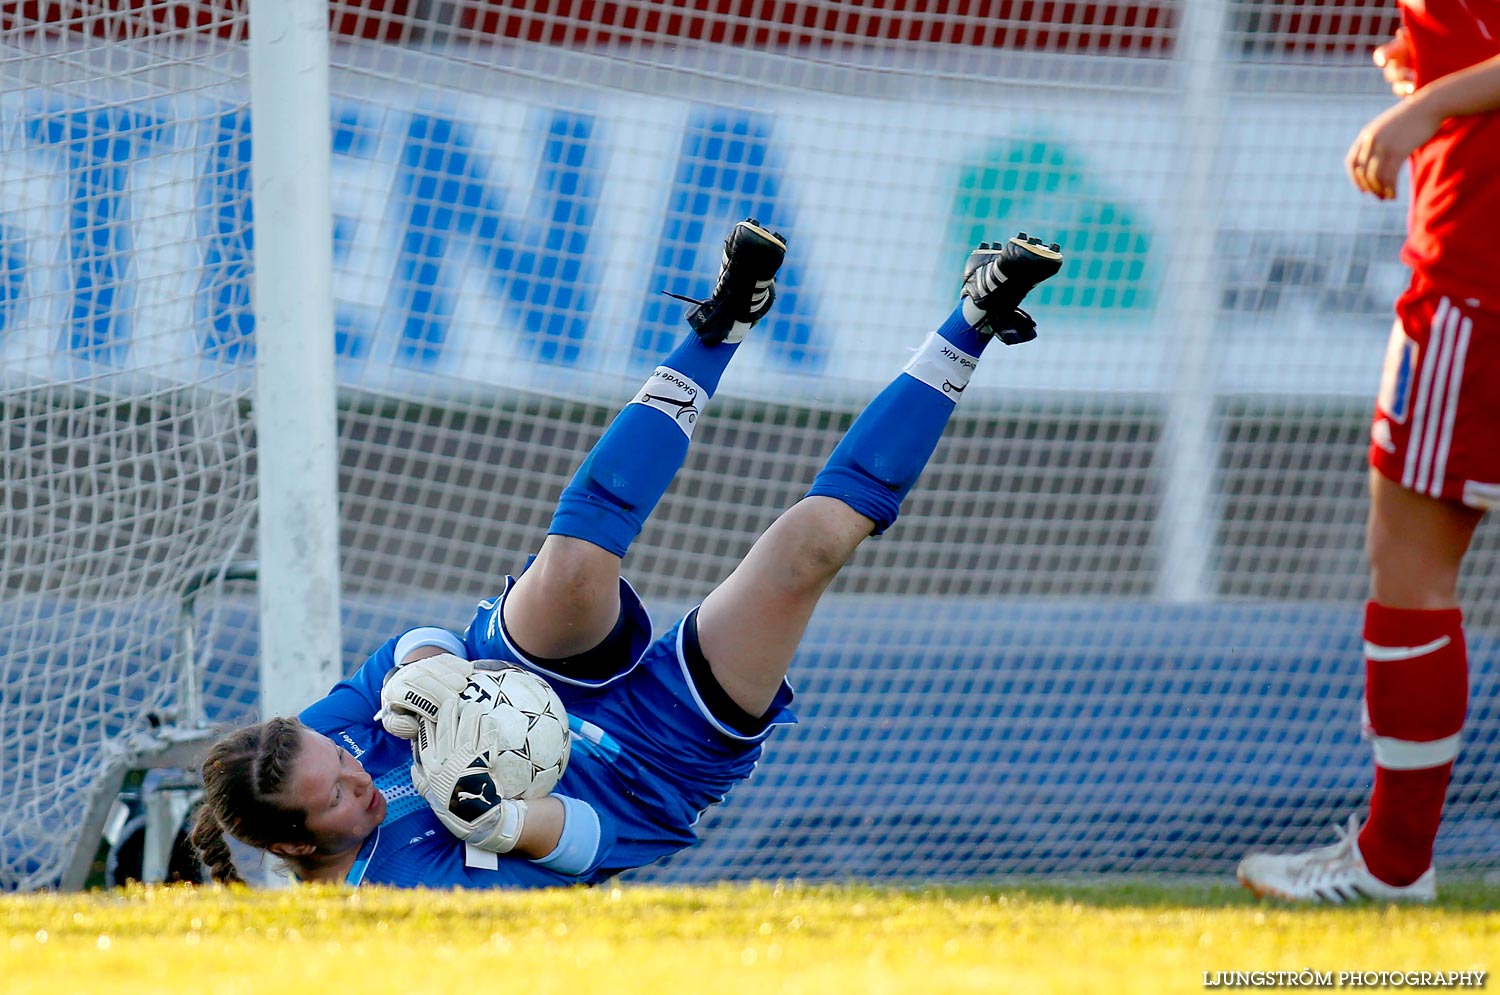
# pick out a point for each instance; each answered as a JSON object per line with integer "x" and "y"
{"x": 417, "y": 690}
{"x": 450, "y": 769}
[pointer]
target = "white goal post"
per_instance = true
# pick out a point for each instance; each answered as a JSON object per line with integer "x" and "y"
{"x": 1116, "y": 628}
{"x": 297, "y": 439}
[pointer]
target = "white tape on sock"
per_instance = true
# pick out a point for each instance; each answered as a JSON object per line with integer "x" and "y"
{"x": 1404, "y": 754}
{"x": 677, "y": 396}
{"x": 942, "y": 366}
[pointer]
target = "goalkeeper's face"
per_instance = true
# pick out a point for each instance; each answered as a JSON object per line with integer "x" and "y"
{"x": 343, "y": 805}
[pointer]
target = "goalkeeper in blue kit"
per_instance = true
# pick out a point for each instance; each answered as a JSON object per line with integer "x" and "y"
{"x": 661, "y": 729}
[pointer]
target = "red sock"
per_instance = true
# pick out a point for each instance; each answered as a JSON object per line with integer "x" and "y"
{"x": 1416, "y": 691}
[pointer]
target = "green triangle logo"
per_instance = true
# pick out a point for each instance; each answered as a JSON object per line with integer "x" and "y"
{"x": 1038, "y": 186}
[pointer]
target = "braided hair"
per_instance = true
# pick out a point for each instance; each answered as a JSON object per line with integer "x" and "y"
{"x": 243, "y": 773}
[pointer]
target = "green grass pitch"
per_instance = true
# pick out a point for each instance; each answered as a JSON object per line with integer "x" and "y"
{"x": 1113, "y": 936}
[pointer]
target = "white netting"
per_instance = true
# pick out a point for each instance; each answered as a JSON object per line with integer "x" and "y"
{"x": 1117, "y": 626}
{"x": 127, "y": 459}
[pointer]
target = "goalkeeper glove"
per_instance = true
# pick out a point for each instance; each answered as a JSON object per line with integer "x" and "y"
{"x": 450, "y": 769}
{"x": 415, "y": 691}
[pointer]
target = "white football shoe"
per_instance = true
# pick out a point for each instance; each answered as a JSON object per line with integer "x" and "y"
{"x": 1333, "y": 874}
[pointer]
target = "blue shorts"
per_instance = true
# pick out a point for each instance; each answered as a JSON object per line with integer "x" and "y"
{"x": 648, "y": 752}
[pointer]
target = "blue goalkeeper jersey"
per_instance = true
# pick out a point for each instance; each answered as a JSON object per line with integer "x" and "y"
{"x": 646, "y": 756}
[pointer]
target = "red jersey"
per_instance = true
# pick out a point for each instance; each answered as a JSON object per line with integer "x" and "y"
{"x": 1452, "y": 234}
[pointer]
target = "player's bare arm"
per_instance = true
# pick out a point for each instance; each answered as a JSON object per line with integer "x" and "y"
{"x": 544, "y": 826}
{"x": 1374, "y": 160}
{"x": 1394, "y": 59}
{"x": 421, "y": 653}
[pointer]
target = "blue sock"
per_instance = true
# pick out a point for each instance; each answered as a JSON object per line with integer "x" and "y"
{"x": 956, "y": 329}
{"x": 878, "y": 461}
{"x": 623, "y": 477}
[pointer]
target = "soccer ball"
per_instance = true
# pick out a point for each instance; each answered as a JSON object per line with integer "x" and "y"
{"x": 527, "y": 737}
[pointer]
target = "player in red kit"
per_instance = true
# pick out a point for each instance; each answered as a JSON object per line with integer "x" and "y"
{"x": 1434, "y": 448}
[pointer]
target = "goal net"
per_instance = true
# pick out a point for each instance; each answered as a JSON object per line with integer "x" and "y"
{"x": 1116, "y": 629}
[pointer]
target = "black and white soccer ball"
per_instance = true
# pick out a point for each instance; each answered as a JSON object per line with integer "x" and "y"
{"x": 526, "y": 744}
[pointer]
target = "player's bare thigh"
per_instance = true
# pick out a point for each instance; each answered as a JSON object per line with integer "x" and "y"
{"x": 567, "y": 601}
{"x": 1435, "y": 446}
{"x": 1416, "y": 545}
{"x": 749, "y": 627}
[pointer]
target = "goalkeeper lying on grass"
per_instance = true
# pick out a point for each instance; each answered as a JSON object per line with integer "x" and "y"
{"x": 660, "y": 730}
